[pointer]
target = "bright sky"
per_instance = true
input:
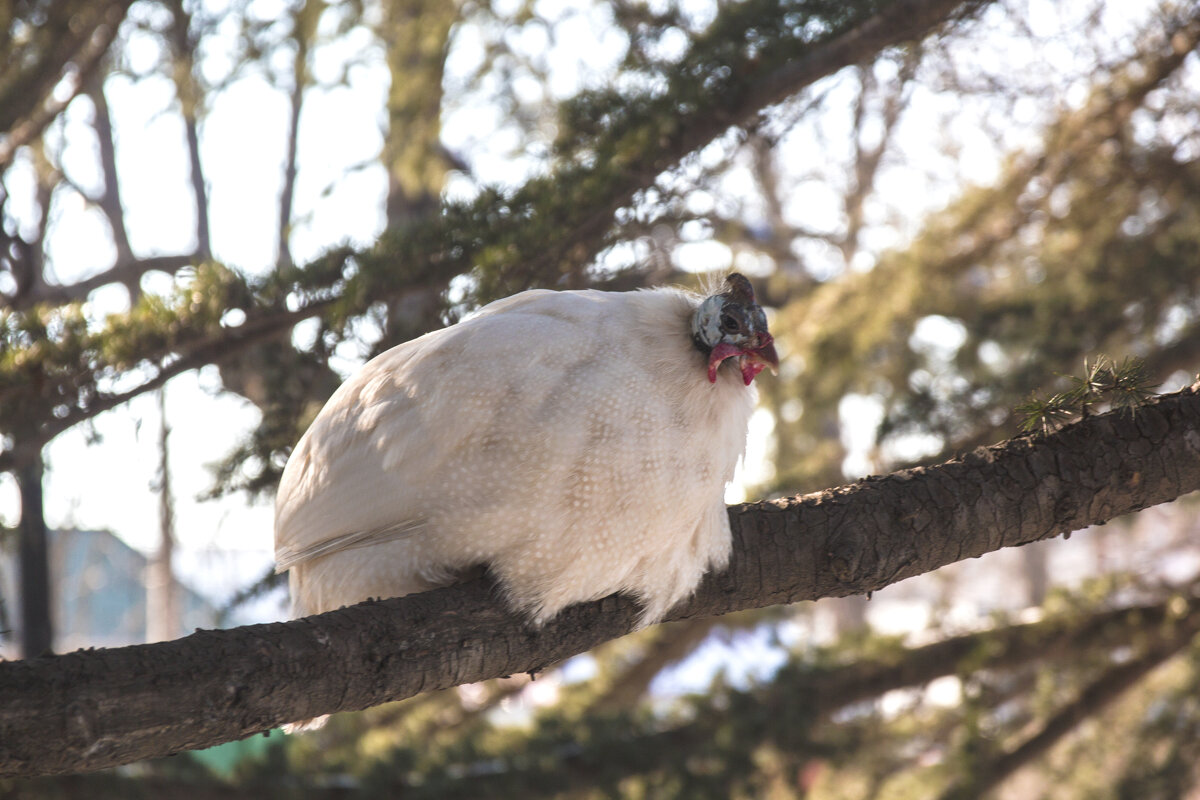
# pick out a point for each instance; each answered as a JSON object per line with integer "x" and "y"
{"x": 340, "y": 196}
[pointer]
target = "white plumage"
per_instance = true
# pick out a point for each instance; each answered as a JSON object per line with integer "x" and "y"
{"x": 572, "y": 442}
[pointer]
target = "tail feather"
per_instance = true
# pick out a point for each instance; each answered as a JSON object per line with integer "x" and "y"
{"x": 289, "y": 556}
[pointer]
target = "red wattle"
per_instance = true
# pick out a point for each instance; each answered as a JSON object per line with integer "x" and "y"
{"x": 750, "y": 369}
{"x": 719, "y": 353}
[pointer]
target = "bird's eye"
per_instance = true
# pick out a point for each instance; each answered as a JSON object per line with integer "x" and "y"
{"x": 730, "y": 323}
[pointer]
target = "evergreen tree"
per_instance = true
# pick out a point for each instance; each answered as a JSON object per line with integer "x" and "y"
{"x": 1054, "y": 298}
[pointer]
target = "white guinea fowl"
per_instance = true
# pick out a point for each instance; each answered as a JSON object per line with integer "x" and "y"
{"x": 575, "y": 443}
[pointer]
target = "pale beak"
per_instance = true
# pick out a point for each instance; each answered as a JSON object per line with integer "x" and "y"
{"x": 766, "y": 355}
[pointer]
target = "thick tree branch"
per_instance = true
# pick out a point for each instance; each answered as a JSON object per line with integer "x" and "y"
{"x": 819, "y": 690}
{"x": 93, "y": 709}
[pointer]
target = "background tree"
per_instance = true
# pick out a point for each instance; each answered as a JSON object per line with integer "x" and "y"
{"x": 961, "y": 214}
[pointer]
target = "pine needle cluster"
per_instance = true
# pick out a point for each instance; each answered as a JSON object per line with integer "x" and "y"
{"x": 1104, "y": 383}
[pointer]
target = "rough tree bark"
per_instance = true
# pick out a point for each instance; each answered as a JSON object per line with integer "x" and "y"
{"x": 92, "y": 709}
{"x": 819, "y": 690}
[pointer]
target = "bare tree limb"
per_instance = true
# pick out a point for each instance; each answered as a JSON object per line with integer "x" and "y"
{"x": 110, "y": 201}
{"x": 304, "y": 24}
{"x": 867, "y": 158}
{"x": 190, "y": 102}
{"x": 124, "y": 272}
{"x": 545, "y": 232}
{"x": 92, "y": 709}
{"x": 78, "y": 34}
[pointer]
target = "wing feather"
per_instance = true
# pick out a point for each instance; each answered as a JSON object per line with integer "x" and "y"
{"x": 289, "y": 556}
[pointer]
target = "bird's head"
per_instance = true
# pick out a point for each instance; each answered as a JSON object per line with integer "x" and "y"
{"x": 732, "y": 325}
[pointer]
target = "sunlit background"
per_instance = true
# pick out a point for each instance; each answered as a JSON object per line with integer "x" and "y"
{"x": 786, "y": 205}
{"x": 102, "y": 475}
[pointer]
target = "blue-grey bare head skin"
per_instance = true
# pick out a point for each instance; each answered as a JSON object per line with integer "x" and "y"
{"x": 730, "y": 316}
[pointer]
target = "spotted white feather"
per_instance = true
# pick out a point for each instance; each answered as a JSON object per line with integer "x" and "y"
{"x": 576, "y": 444}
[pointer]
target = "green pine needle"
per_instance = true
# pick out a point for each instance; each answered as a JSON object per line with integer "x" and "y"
{"x": 1104, "y": 382}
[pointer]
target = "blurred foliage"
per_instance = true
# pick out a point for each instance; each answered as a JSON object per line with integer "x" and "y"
{"x": 923, "y": 331}
{"x": 1087, "y": 244}
{"x": 544, "y": 233}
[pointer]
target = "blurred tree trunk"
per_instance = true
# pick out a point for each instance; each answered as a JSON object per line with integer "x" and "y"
{"x": 37, "y": 630}
{"x": 417, "y": 35}
{"x": 162, "y": 590}
{"x": 848, "y": 614}
{"x": 1035, "y": 571}
{"x": 290, "y": 385}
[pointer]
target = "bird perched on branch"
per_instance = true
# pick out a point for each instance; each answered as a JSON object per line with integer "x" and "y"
{"x": 575, "y": 443}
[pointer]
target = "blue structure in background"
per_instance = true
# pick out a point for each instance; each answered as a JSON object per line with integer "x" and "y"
{"x": 98, "y": 594}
